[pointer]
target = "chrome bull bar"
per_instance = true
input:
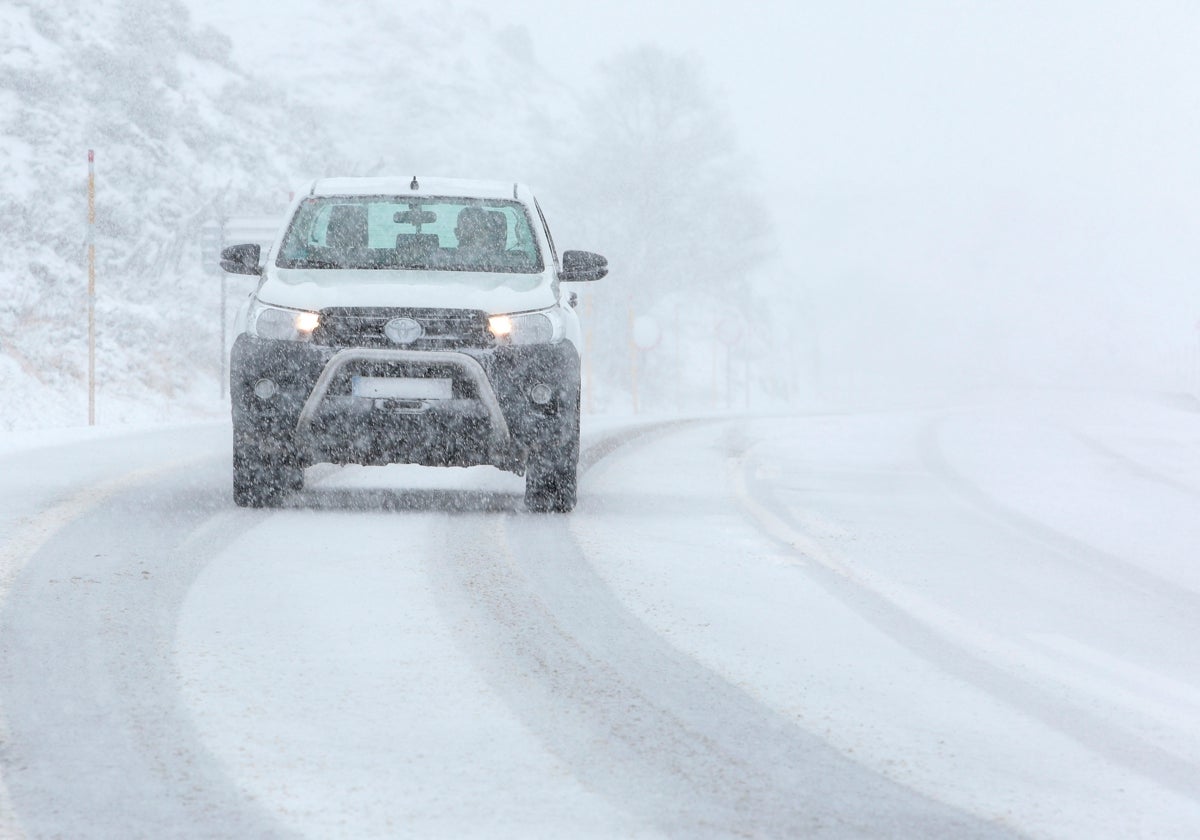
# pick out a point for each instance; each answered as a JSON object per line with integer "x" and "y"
{"x": 466, "y": 365}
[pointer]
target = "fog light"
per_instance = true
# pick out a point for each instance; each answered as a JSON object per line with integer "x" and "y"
{"x": 264, "y": 389}
{"x": 541, "y": 393}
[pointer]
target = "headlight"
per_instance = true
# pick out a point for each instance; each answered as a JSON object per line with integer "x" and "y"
{"x": 282, "y": 324}
{"x": 542, "y": 327}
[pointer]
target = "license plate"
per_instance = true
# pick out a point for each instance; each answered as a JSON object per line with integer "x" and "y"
{"x": 391, "y": 388}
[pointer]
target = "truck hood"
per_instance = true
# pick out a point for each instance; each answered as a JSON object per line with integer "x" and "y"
{"x": 316, "y": 289}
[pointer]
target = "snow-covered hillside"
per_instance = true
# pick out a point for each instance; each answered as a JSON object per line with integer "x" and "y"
{"x": 181, "y": 133}
{"x": 444, "y": 90}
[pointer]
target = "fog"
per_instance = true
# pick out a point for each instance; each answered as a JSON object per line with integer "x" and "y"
{"x": 969, "y": 193}
{"x": 961, "y": 195}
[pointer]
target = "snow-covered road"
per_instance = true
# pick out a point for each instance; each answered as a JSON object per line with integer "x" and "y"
{"x": 975, "y": 621}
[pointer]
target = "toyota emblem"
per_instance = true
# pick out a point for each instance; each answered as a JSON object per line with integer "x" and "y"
{"x": 403, "y": 330}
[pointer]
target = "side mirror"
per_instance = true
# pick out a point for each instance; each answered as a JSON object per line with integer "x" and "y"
{"x": 241, "y": 259}
{"x": 581, "y": 266}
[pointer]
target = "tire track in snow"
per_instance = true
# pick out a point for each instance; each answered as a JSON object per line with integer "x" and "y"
{"x": 651, "y": 729}
{"x": 20, "y": 547}
{"x": 140, "y": 518}
{"x": 1133, "y": 466}
{"x": 941, "y": 640}
{"x": 100, "y": 743}
{"x": 1183, "y": 602}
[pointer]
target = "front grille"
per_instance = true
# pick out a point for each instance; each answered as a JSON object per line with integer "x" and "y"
{"x": 364, "y": 327}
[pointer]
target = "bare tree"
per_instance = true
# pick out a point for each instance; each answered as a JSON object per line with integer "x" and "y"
{"x": 672, "y": 203}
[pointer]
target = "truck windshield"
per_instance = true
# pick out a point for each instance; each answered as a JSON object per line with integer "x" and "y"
{"x": 428, "y": 233}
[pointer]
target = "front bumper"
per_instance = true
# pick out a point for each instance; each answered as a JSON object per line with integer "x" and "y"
{"x": 314, "y": 416}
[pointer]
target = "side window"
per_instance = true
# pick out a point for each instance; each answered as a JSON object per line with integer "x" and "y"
{"x": 549, "y": 237}
{"x": 516, "y": 230}
{"x": 306, "y": 228}
{"x": 320, "y": 224}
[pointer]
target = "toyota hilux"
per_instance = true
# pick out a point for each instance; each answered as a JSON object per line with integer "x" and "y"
{"x": 418, "y": 321}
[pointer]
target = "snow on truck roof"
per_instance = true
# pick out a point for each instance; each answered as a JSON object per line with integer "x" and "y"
{"x": 396, "y": 185}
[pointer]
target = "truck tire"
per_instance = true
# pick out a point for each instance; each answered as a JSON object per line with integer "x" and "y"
{"x": 551, "y": 473}
{"x": 262, "y": 481}
{"x": 550, "y": 485}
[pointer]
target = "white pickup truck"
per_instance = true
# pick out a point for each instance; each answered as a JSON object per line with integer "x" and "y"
{"x": 404, "y": 320}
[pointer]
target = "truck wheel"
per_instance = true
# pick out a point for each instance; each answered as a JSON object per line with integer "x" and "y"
{"x": 550, "y": 483}
{"x": 262, "y": 481}
{"x": 551, "y": 473}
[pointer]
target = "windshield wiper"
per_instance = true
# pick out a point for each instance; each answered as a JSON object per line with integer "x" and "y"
{"x": 313, "y": 264}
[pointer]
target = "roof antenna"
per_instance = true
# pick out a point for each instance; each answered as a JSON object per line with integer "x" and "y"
{"x": 414, "y": 185}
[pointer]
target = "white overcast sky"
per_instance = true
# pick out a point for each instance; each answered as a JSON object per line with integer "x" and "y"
{"x": 1008, "y": 94}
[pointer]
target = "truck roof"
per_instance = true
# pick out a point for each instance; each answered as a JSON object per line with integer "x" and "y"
{"x": 397, "y": 185}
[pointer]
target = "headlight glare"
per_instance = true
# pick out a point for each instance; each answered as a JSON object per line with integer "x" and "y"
{"x": 283, "y": 324}
{"x": 306, "y": 322}
{"x": 542, "y": 327}
{"x": 500, "y": 325}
